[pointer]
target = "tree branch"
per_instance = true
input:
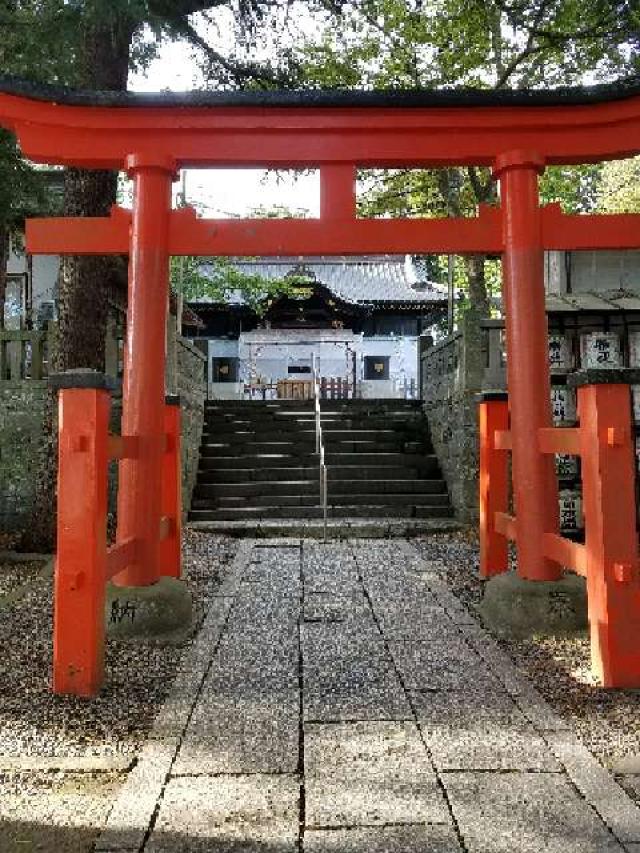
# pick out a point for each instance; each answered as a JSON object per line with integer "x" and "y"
{"x": 237, "y": 70}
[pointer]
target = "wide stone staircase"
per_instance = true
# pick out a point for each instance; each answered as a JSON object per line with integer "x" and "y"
{"x": 258, "y": 461}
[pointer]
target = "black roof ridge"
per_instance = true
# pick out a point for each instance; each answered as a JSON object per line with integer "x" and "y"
{"x": 392, "y": 98}
{"x": 320, "y": 259}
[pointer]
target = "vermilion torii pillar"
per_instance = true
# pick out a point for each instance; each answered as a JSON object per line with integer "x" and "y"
{"x": 534, "y": 479}
{"x": 139, "y": 492}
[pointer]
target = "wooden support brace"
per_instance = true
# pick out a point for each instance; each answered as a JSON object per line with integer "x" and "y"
{"x": 81, "y": 563}
{"x": 613, "y": 584}
{"x": 564, "y": 552}
{"x": 170, "y": 561}
{"x": 559, "y": 440}
{"x": 494, "y": 486}
{"x": 120, "y": 556}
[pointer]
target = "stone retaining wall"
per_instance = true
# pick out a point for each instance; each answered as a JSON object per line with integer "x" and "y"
{"x": 22, "y": 404}
{"x": 21, "y": 441}
{"x": 452, "y": 375}
{"x": 192, "y": 388}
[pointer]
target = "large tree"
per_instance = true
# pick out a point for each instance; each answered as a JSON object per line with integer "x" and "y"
{"x": 94, "y": 44}
{"x": 489, "y": 44}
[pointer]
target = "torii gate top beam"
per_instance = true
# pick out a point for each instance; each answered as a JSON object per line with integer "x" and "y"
{"x": 307, "y": 129}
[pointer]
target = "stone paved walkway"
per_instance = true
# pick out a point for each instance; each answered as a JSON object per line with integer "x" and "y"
{"x": 339, "y": 699}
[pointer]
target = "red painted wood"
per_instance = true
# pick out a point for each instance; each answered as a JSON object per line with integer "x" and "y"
{"x": 494, "y": 487}
{"x": 102, "y": 137}
{"x": 81, "y": 561}
{"x": 139, "y": 493}
{"x": 535, "y": 488}
{"x": 609, "y": 502}
{"x": 170, "y": 546}
{"x": 571, "y": 555}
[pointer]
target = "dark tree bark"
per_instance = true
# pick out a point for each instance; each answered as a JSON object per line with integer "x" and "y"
{"x": 478, "y": 296}
{"x": 85, "y": 283}
{"x": 4, "y": 258}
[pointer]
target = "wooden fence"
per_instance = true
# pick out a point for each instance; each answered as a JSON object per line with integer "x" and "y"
{"x": 23, "y": 355}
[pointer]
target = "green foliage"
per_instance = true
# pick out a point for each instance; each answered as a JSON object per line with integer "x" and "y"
{"x": 219, "y": 280}
{"x": 576, "y": 188}
{"x": 619, "y": 189}
{"x": 489, "y": 44}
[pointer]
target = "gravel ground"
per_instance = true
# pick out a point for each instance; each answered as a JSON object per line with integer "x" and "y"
{"x": 43, "y": 730}
{"x": 14, "y": 574}
{"x": 607, "y": 721}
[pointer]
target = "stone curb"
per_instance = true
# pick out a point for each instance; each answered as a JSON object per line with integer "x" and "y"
{"x": 135, "y": 805}
{"x": 596, "y": 785}
{"x": 594, "y": 782}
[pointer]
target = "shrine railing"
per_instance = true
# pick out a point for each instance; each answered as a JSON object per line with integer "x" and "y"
{"x": 24, "y": 355}
{"x": 84, "y": 562}
{"x": 608, "y": 559}
{"x": 320, "y": 448}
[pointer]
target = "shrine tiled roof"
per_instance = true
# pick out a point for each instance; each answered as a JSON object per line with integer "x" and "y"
{"x": 600, "y": 301}
{"x": 398, "y": 98}
{"x": 376, "y": 280}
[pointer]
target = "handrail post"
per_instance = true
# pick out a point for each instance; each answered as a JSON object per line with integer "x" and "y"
{"x": 320, "y": 448}
{"x": 608, "y": 478}
{"x": 170, "y": 563}
{"x": 81, "y": 562}
{"x": 493, "y": 412}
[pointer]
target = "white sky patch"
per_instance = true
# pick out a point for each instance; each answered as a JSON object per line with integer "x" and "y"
{"x": 221, "y": 193}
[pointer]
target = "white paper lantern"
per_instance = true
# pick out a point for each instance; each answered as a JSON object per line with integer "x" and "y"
{"x": 566, "y": 466}
{"x": 559, "y": 353}
{"x": 563, "y": 404}
{"x": 635, "y": 402}
{"x": 571, "y": 519}
{"x": 634, "y": 349}
{"x": 600, "y": 349}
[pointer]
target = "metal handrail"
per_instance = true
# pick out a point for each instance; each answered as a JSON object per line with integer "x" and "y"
{"x": 320, "y": 446}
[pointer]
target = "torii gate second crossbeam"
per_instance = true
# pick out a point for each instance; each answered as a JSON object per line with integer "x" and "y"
{"x": 517, "y": 134}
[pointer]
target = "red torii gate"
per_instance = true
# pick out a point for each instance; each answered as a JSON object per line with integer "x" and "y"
{"x": 515, "y": 133}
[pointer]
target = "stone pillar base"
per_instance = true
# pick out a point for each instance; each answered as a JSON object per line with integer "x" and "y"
{"x": 521, "y": 608}
{"x": 157, "y": 612}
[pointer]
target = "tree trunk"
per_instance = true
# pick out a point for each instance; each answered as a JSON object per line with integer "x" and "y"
{"x": 4, "y": 259}
{"x": 85, "y": 283}
{"x": 478, "y": 296}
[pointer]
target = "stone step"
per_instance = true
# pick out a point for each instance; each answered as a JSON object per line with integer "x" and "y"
{"x": 299, "y": 447}
{"x": 420, "y": 462}
{"x": 308, "y": 432}
{"x": 397, "y": 422}
{"x": 347, "y": 473}
{"x": 310, "y": 487}
{"x": 300, "y": 512}
{"x": 255, "y": 405}
{"x": 337, "y": 529}
{"x": 401, "y": 501}
{"x": 215, "y": 474}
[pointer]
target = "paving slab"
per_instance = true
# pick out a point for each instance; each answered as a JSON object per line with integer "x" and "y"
{"x": 335, "y": 607}
{"x": 597, "y": 786}
{"x": 438, "y": 665}
{"x": 432, "y": 838}
{"x": 480, "y": 731}
{"x": 372, "y": 700}
{"x": 242, "y": 734}
{"x": 525, "y": 812}
{"x": 228, "y": 813}
{"x": 368, "y": 774}
{"x": 261, "y": 658}
{"x": 400, "y": 697}
{"x": 135, "y": 805}
{"x": 348, "y": 675}
{"x": 412, "y": 622}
